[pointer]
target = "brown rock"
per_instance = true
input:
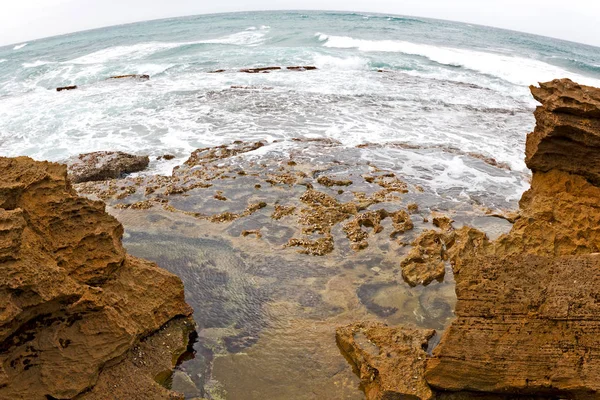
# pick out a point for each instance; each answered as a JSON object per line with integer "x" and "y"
{"x": 257, "y": 70}
{"x": 60, "y": 89}
{"x": 389, "y": 361}
{"x": 302, "y": 68}
{"x": 568, "y": 129}
{"x": 528, "y": 315}
{"x": 72, "y": 303}
{"x": 329, "y": 182}
{"x": 442, "y": 221}
{"x": 426, "y": 260}
{"x": 104, "y": 165}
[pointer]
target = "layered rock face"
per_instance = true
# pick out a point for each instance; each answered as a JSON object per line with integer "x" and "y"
{"x": 528, "y": 311}
{"x": 72, "y": 302}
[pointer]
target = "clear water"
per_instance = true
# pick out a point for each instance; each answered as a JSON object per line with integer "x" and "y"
{"x": 451, "y": 85}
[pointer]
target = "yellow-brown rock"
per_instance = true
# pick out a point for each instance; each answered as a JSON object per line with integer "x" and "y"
{"x": 389, "y": 361}
{"x": 72, "y": 303}
{"x": 528, "y": 310}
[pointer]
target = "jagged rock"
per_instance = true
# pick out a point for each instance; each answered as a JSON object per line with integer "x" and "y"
{"x": 528, "y": 314}
{"x": 72, "y": 303}
{"x": 567, "y": 134}
{"x": 426, "y": 260}
{"x": 102, "y": 165}
{"x": 389, "y": 361}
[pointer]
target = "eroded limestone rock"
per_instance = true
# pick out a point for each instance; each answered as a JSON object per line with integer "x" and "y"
{"x": 72, "y": 302}
{"x": 389, "y": 361}
{"x": 528, "y": 315}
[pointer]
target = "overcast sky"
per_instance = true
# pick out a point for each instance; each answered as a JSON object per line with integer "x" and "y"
{"x": 576, "y": 20}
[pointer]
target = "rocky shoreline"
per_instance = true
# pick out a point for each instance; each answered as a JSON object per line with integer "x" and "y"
{"x": 527, "y": 317}
{"x": 316, "y": 239}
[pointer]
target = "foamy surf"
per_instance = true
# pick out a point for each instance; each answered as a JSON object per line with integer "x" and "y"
{"x": 142, "y": 50}
{"x": 20, "y": 46}
{"x": 431, "y": 105}
{"x": 517, "y": 70}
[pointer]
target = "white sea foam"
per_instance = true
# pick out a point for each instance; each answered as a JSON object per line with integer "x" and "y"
{"x": 142, "y": 50}
{"x": 20, "y": 46}
{"x": 517, "y": 70}
{"x": 337, "y": 63}
{"x": 3, "y": 60}
{"x": 37, "y": 63}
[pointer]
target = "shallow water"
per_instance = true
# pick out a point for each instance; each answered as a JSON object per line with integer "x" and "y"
{"x": 267, "y": 314}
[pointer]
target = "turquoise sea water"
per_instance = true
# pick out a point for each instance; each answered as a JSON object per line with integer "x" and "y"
{"x": 451, "y": 85}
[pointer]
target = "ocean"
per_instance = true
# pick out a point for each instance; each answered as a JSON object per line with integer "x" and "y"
{"x": 448, "y": 85}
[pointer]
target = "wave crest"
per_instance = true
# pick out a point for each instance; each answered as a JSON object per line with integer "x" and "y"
{"x": 516, "y": 70}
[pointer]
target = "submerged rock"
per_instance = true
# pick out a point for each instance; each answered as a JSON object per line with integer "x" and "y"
{"x": 389, "y": 361}
{"x": 102, "y": 165}
{"x": 73, "y": 304}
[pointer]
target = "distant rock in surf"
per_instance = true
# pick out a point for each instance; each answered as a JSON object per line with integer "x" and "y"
{"x": 257, "y": 70}
{"x": 104, "y": 165}
{"x": 131, "y": 76}
{"x": 302, "y": 68}
{"x": 60, "y": 89}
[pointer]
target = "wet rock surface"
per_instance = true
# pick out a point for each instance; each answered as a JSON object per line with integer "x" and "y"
{"x": 73, "y": 304}
{"x": 104, "y": 165}
{"x": 389, "y": 361}
{"x": 527, "y": 311}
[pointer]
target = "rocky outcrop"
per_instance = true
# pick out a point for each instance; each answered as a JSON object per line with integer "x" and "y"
{"x": 102, "y": 165}
{"x": 389, "y": 361}
{"x": 567, "y": 135}
{"x": 73, "y": 304}
{"x": 528, "y": 312}
{"x": 528, "y": 315}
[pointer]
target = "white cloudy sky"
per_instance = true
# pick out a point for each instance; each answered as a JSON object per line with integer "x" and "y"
{"x": 576, "y": 20}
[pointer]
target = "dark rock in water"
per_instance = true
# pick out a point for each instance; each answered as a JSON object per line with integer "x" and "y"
{"x": 131, "y": 76}
{"x": 104, "y": 165}
{"x": 302, "y": 68}
{"x": 74, "y": 307}
{"x": 257, "y": 70}
{"x": 60, "y": 89}
{"x": 167, "y": 157}
{"x": 218, "y": 71}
